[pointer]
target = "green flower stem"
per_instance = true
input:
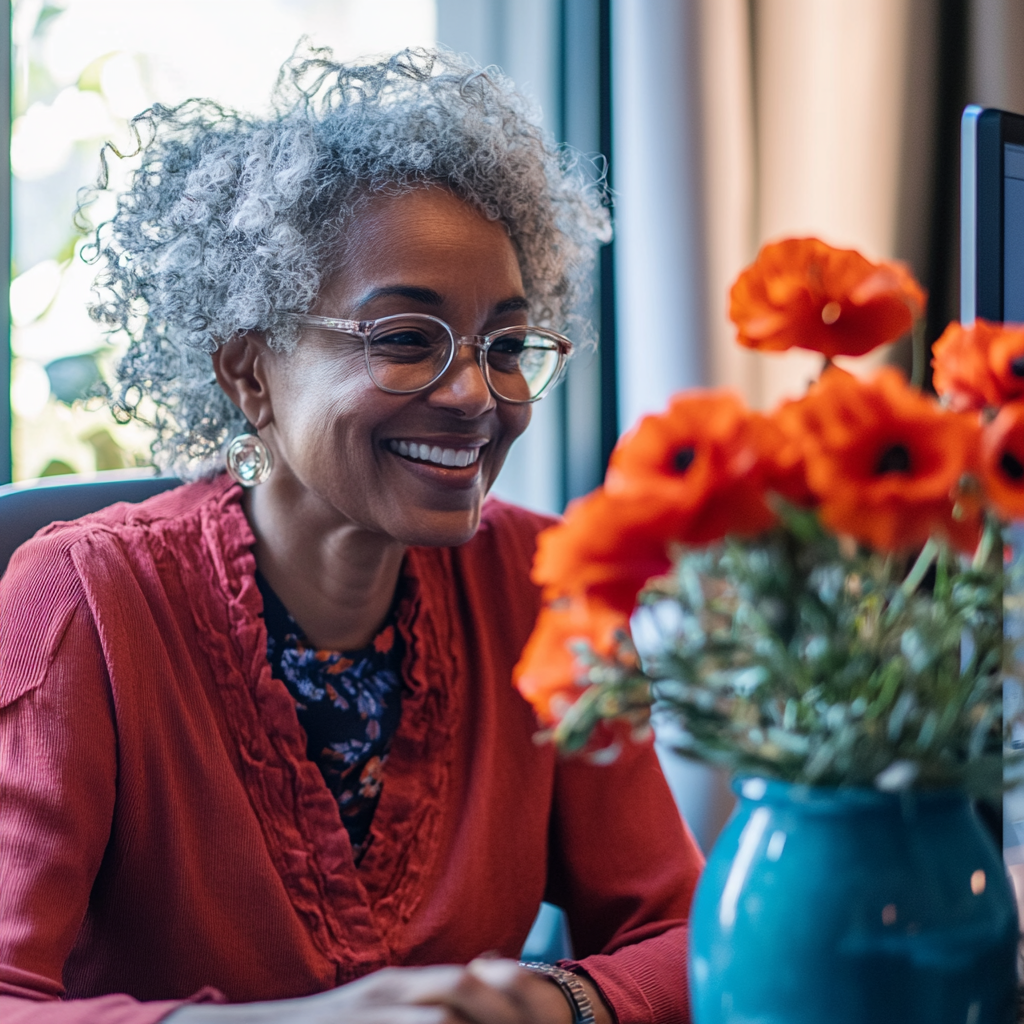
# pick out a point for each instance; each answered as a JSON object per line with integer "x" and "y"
{"x": 924, "y": 562}
{"x": 989, "y": 537}
{"x": 794, "y": 658}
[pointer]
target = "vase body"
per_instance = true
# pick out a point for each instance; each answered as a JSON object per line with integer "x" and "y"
{"x": 851, "y": 906}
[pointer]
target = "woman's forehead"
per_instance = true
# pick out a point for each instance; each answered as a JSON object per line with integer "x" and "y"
{"x": 424, "y": 246}
{"x": 427, "y": 208}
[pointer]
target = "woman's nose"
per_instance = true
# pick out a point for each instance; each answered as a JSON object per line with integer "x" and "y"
{"x": 463, "y": 388}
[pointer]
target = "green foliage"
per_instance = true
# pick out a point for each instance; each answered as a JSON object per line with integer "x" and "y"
{"x": 797, "y": 657}
{"x": 615, "y": 694}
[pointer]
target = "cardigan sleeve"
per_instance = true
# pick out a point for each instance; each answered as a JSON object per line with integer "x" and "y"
{"x": 624, "y": 867}
{"x": 58, "y": 767}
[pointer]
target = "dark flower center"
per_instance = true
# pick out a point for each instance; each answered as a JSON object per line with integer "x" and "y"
{"x": 1011, "y": 466}
{"x": 683, "y": 459}
{"x": 895, "y": 459}
{"x": 1017, "y": 366}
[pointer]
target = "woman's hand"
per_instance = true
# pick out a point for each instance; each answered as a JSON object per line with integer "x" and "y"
{"x": 484, "y": 992}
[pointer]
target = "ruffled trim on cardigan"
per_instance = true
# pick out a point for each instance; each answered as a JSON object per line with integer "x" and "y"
{"x": 299, "y": 819}
{"x": 349, "y": 913}
{"x": 417, "y": 776}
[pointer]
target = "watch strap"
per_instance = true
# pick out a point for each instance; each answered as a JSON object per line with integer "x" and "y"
{"x": 572, "y": 988}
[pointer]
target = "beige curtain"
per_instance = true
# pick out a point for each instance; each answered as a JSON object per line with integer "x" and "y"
{"x": 997, "y": 54}
{"x": 808, "y": 131}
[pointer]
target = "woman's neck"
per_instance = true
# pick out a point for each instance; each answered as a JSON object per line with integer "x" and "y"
{"x": 336, "y": 579}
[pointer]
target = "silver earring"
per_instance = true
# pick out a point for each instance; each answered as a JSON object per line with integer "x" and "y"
{"x": 249, "y": 460}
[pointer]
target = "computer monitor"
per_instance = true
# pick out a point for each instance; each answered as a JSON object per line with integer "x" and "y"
{"x": 991, "y": 215}
{"x": 992, "y": 287}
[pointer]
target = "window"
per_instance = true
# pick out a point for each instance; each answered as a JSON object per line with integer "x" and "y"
{"x": 81, "y": 68}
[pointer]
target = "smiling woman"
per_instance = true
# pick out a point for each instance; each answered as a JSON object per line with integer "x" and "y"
{"x": 258, "y": 738}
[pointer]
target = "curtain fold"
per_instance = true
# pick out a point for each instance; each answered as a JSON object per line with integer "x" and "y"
{"x": 816, "y": 121}
{"x": 729, "y": 158}
{"x": 997, "y": 54}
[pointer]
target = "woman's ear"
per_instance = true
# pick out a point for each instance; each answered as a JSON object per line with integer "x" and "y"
{"x": 240, "y": 367}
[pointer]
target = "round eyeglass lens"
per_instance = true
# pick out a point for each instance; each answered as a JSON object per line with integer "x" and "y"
{"x": 522, "y": 363}
{"x": 406, "y": 353}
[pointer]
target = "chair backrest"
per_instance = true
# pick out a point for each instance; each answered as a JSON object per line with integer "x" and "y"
{"x": 27, "y": 507}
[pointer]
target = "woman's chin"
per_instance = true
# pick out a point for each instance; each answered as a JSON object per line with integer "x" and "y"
{"x": 437, "y": 529}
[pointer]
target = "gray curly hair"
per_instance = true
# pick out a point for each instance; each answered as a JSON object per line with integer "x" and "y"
{"x": 232, "y": 221}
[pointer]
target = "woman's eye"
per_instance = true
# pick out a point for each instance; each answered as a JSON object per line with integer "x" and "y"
{"x": 511, "y": 345}
{"x": 403, "y": 339}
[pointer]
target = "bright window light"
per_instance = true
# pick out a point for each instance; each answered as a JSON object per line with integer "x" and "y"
{"x": 81, "y": 69}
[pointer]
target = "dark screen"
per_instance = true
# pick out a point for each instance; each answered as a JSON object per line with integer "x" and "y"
{"x": 1013, "y": 232}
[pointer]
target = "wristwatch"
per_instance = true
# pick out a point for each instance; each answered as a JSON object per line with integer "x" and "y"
{"x": 572, "y": 988}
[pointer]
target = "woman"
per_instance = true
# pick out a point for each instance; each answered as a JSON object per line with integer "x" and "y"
{"x": 259, "y": 742}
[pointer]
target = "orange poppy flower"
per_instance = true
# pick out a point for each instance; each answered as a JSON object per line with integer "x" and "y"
{"x": 885, "y": 461}
{"x": 1002, "y": 462}
{"x": 1006, "y": 360}
{"x": 549, "y": 674}
{"x": 703, "y": 462}
{"x": 689, "y": 475}
{"x": 606, "y": 546}
{"x": 802, "y": 293}
{"x": 783, "y": 436}
{"x": 962, "y": 364}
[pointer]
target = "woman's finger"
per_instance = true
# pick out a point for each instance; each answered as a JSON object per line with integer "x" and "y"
{"x": 404, "y": 984}
{"x": 536, "y": 997}
{"x": 479, "y": 1000}
{"x": 484, "y": 992}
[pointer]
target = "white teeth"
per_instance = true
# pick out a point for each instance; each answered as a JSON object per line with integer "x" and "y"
{"x": 439, "y": 456}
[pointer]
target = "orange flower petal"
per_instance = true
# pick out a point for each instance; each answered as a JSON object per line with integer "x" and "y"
{"x": 705, "y": 457}
{"x": 607, "y": 547}
{"x": 885, "y": 461}
{"x": 548, "y": 674}
{"x": 783, "y": 437}
{"x": 803, "y": 293}
{"x": 1006, "y": 360}
{"x": 963, "y": 372}
{"x": 689, "y": 475}
{"x": 1002, "y": 461}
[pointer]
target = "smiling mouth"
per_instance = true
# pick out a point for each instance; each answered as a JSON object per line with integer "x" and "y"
{"x": 456, "y": 457}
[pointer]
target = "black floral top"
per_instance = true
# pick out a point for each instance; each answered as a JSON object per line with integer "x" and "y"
{"x": 349, "y": 703}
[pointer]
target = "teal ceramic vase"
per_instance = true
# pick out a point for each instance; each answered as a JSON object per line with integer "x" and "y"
{"x": 850, "y": 906}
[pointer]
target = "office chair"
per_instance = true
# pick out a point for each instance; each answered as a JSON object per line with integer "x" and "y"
{"x": 27, "y": 507}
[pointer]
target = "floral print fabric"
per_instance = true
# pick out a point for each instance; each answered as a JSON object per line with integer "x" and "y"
{"x": 348, "y": 702}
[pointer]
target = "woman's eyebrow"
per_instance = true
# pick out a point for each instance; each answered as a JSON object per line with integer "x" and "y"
{"x": 425, "y": 296}
{"x": 428, "y": 297}
{"x": 512, "y": 305}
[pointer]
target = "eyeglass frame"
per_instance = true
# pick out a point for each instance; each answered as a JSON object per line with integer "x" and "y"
{"x": 481, "y": 342}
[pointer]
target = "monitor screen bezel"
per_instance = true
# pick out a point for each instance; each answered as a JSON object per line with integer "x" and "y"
{"x": 984, "y": 133}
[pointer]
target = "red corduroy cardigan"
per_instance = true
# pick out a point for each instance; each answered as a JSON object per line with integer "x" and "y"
{"x": 163, "y": 836}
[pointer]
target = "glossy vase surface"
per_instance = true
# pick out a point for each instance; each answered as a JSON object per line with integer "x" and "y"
{"x": 850, "y": 906}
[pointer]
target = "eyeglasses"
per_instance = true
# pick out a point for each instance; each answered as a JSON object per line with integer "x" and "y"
{"x": 409, "y": 352}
